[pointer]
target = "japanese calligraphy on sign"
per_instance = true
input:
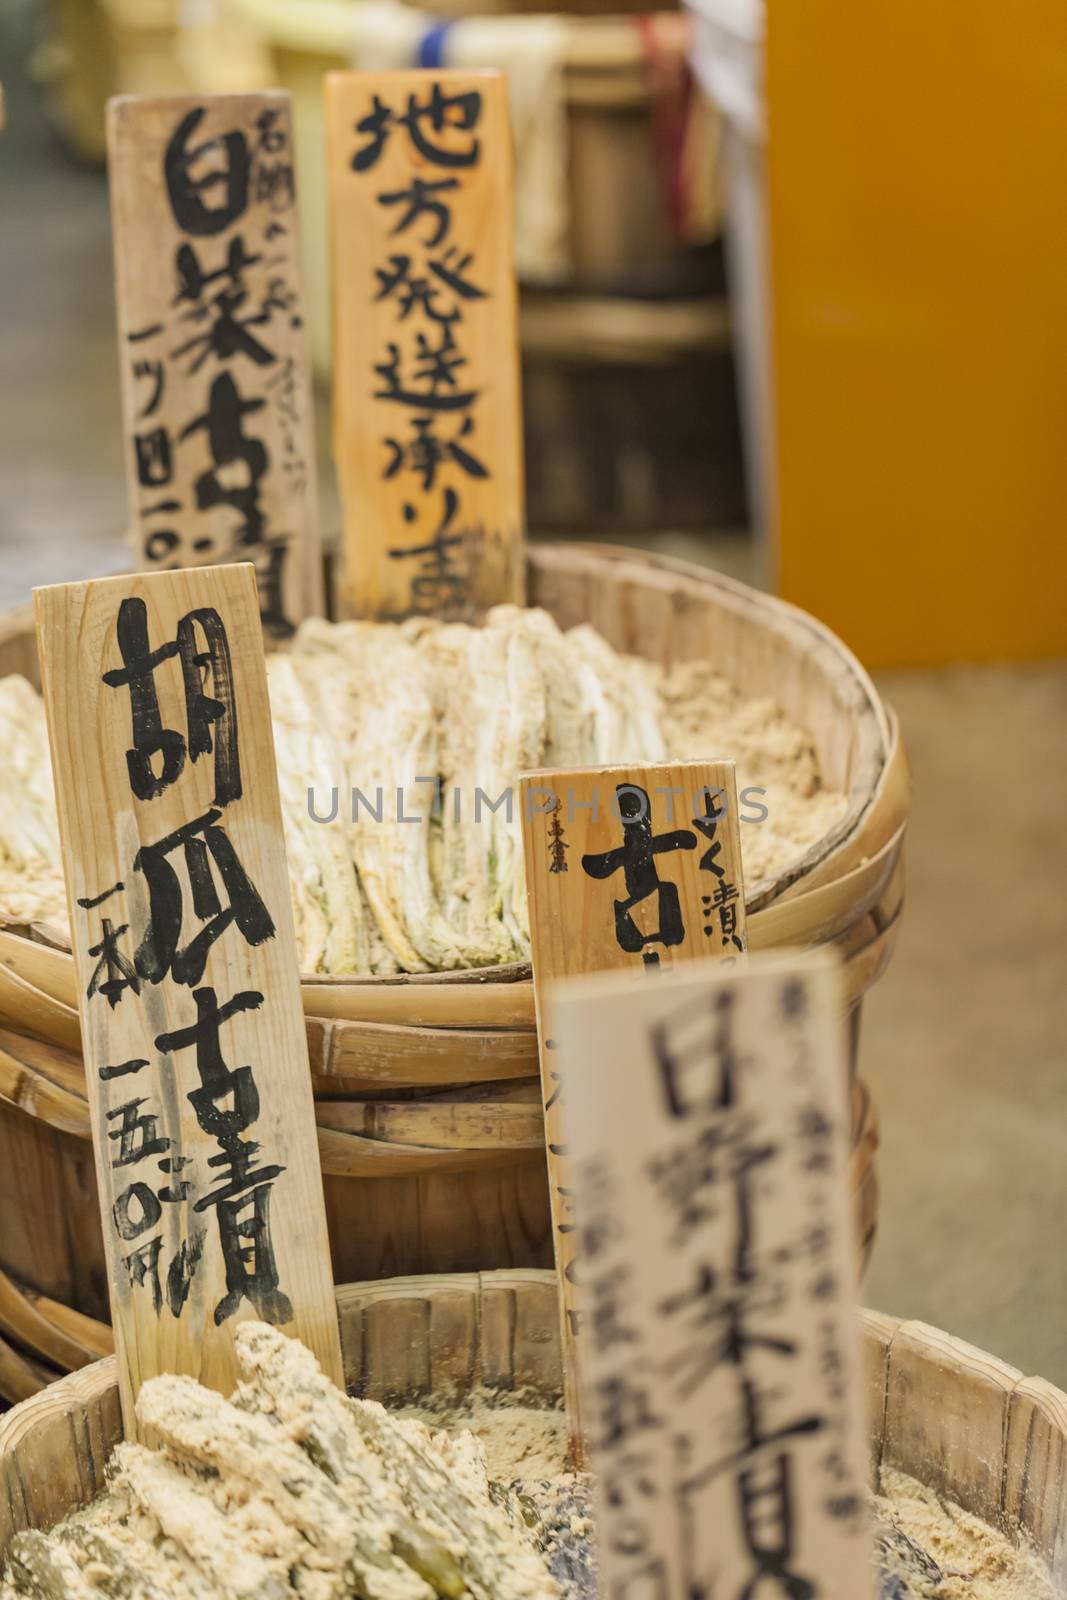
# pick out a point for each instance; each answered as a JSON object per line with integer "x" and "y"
{"x": 708, "y": 1135}
{"x": 195, "y": 1048}
{"x": 216, "y": 385}
{"x": 634, "y": 868}
{"x": 427, "y": 429}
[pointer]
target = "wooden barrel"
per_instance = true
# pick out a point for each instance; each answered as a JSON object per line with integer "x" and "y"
{"x": 426, "y": 1086}
{"x": 42, "y": 1338}
{"x": 630, "y": 417}
{"x": 961, "y": 1422}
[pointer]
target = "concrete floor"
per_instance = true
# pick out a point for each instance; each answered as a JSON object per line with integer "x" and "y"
{"x": 965, "y": 1039}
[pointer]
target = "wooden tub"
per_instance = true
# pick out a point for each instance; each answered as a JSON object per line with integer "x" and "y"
{"x": 960, "y": 1421}
{"x": 426, "y": 1087}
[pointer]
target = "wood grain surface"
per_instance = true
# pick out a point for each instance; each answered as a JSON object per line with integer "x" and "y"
{"x": 427, "y": 421}
{"x": 216, "y": 382}
{"x": 196, "y": 1060}
{"x": 595, "y": 841}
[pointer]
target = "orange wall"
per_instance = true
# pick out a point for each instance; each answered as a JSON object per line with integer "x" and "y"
{"x": 918, "y": 214}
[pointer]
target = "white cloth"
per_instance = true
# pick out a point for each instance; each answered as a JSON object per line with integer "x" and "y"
{"x": 531, "y": 51}
{"x": 727, "y": 59}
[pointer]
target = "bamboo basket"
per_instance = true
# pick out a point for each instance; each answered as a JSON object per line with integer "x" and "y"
{"x": 426, "y": 1087}
{"x": 960, "y": 1421}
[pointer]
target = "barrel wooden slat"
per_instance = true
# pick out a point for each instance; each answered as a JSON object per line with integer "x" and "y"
{"x": 946, "y": 1419}
{"x": 1035, "y": 1469}
{"x": 934, "y": 1403}
{"x": 878, "y": 1332}
{"x": 476, "y": 1220}
{"x": 50, "y": 1241}
{"x": 54, "y": 1449}
{"x": 520, "y": 1334}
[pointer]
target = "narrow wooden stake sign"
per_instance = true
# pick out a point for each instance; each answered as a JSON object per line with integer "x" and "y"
{"x": 631, "y": 867}
{"x": 216, "y": 386}
{"x": 188, "y": 986}
{"x": 427, "y": 414}
{"x": 707, "y": 1123}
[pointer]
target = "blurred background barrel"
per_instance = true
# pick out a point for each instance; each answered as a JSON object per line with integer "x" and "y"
{"x": 630, "y": 398}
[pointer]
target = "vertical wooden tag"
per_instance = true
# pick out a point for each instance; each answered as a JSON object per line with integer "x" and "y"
{"x": 216, "y": 386}
{"x": 427, "y": 413}
{"x": 707, "y": 1127}
{"x": 631, "y": 867}
{"x": 195, "y": 1048}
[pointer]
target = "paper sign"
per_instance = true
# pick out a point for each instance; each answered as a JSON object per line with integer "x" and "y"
{"x": 188, "y": 989}
{"x": 427, "y": 415}
{"x": 707, "y": 1128}
{"x": 216, "y": 389}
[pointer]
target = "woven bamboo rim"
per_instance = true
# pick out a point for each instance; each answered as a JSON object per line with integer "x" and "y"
{"x": 455, "y": 1127}
{"x": 965, "y": 1424}
{"x": 667, "y": 611}
{"x": 469, "y": 1027}
{"x": 374, "y": 1051}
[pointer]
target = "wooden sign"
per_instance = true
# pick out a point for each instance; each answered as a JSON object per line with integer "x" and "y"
{"x": 195, "y": 1050}
{"x": 216, "y": 388}
{"x": 708, "y": 1132}
{"x": 631, "y": 867}
{"x": 427, "y": 416}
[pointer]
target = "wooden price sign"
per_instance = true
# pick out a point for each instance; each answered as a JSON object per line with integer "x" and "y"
{"x": 707, "y": 1127}
{"x": 195, "y": 1049}
{"x": 631, "y": 867}
{"x": 427, "y": 417}
{"x": 216, "y": 387}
